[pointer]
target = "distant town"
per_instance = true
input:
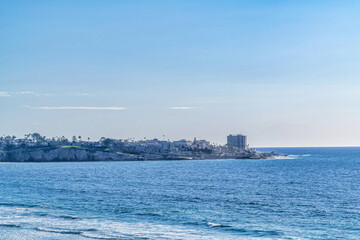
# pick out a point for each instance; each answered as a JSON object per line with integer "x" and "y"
{"x": 37, "y": 148}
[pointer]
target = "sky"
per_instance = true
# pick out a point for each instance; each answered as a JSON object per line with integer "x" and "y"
{"x": 284, "y": 73}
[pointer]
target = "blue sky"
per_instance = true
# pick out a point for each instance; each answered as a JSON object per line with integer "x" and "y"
{"x": 285, "y": 73}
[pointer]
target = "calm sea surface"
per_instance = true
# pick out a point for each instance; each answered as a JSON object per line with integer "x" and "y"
{"x": 313, "y": 194}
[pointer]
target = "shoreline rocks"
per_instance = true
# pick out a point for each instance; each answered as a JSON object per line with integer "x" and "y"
{"x": 61, "y": 155}
{"x": 84, "y": 155}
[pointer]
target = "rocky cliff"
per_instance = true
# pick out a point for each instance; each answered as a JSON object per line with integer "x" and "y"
{"x": 61, "y": 155}
{"x": 78, "y": 154}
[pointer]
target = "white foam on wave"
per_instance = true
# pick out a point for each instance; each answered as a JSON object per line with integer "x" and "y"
{"x": 63, "y": 231}
{"x": 285, "y": 157}
{"x": 96, "y": 236}
{"x": 291, "y": 156}
{"x": 80, "y": 228}
{"x": 210, "y": 224}
{"x": 151, "y": 231}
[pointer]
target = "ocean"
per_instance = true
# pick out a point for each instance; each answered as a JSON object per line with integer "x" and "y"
{"x": 314, "y": 193}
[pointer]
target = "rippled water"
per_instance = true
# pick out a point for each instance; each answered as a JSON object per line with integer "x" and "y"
{"x": 312, "y": 194}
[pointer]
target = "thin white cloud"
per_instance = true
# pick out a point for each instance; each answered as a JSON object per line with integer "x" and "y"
{"x": 181, "y": 108}
{"x": 41, "y": 123}
{"x": 27, "y": 92}
{"x": 79, "y": 108}
{"x": 23, "y": 93}
{"x": 5, "y": 94}
{"x": 82, "y": 94}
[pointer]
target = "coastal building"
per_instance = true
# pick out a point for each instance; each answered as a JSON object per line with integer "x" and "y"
{"x": 201, "y": 144}
{"x": 182, "y": 143}
{"x": 238, "y": 140}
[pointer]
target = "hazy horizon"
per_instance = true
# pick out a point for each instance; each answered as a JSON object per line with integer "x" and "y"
{"x": 283, "y": 73}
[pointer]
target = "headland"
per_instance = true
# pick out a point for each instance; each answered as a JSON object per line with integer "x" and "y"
{"x": 37, "y": 148}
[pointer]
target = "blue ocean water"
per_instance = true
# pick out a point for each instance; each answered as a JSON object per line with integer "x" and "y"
{"x": 314, "y": 193}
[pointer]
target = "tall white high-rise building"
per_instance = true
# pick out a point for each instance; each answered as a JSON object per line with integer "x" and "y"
{"x": 238, "y": 140}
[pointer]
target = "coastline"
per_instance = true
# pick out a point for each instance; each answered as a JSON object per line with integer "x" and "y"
{"x": 81, "y": 155}
{"x": 37, "y": 148}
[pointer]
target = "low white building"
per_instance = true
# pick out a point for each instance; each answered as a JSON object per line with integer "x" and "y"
{"x": 182, "y": 143}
